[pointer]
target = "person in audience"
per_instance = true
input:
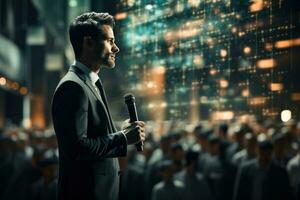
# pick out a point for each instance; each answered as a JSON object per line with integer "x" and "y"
{"x": 168, "y": 188}
{"x": 250, "y": 151}
{"x": 262, "y": 179}
{"x": 195, "y": 185}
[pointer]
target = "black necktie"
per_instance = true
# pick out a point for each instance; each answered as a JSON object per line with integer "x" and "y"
{"x": 103, "y": 97}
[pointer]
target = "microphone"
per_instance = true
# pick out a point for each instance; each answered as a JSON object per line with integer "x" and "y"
{"x": 131, "y": 107}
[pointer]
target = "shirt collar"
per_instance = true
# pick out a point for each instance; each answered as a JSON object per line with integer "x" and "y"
{"x": 93, "y": 76}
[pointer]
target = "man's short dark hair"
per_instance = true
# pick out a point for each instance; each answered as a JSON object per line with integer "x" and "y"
{"x": 191, "y": 156}
{"x": 223, "y": 127}
{"x": 214, "y": 139}
{"x": 88, "y": 24}
{"x": 265, "y": 145}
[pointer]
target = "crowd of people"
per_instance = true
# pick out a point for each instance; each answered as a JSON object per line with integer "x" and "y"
{"x": 210, "y": 161}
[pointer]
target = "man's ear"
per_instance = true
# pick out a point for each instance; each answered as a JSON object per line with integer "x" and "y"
{"x": 88, "y": 42}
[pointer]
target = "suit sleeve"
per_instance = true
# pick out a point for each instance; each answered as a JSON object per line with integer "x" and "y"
{"x": 70, "y": 119}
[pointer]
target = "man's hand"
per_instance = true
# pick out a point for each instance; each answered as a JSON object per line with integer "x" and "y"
{"x": 134, "y": 131}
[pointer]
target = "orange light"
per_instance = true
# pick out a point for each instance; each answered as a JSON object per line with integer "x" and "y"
{"x": 270, "y": 112}
{"x": 222, "y": 115}
{"x": 197, "y": 60}
{"x": 187, "y": 33}
{"x": 120, "y": 16}
{"x": 295, "y": 96}
{"x": 287, "y": 43}
{"x": 23, "y": 90}
{"x": 159, "y": 70}
{"x": 154, "y": 82}
{"x": 257, "y": 101}
{"x": 266, "y": 63}
{"x": 15, "y": 86}
{"x": 245, "y": 93}
{"x": 256, "y": 5}
{"x": 247, "y": 50}
{"x": 276, "y": 86}
{"x": 269, "y": 46}
{"x": 150, "y": 85}
{"x": 234, "y": 30}
{"x": 241, "y": 34}
{"x": 212, "y": 72}
{"x": 223, "y": 83}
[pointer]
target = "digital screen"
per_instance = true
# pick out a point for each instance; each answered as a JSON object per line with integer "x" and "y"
{"x": 211, "y": 59}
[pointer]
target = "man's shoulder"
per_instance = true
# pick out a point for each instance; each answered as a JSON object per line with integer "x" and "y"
{"x": 70, "y": 77}
{"x": 249, "y": 165}
{"x": 159, "y": 186}
{"x": 294, "y": 162}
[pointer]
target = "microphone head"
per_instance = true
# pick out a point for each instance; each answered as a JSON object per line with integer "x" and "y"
{"x": 129, "y": 98}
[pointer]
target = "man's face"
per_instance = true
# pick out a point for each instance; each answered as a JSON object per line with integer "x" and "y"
{"x": 106, "y": 49}
{"x": 265, "y": 155}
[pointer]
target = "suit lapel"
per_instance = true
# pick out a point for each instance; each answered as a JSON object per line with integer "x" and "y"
{"x": 80, "y": 74}
{"x": 89, "y": 84}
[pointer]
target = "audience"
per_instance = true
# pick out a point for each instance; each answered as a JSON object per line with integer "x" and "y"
{"x": 250, "y": 160}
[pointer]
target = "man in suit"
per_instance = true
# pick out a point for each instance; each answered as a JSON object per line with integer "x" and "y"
{"x": 261, "y": 178}
{"x": 88, "y": 142}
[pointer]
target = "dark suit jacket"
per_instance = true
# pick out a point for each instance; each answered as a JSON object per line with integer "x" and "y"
{"x": 87, "y": 139}
{"x": 275, "y": 185}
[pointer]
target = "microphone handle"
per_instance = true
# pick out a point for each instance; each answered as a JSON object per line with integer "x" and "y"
{"x": 133, "y": 117}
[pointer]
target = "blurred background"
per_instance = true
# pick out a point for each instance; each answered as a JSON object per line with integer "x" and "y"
{"x": 193, "y": 65}
{"x": 189, "y": 60}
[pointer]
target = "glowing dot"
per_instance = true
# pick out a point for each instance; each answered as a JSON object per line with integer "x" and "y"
{"x": 73, "y": 3}
{"x": 193, "y": 102}
{"x": 269, "y": 46}
{"x": 15, "y": 86}
{"x": 149, "y": 7}
{"x": 247, "y": 50}
{"x": 171, "y": 49}
{"x": 223, "y": 53}
{"x": 245, "y": 93}
{"x": 2, "y": 81}
{"x": 130, "y": 3}
{"x": 159, "y": 70}
{"x": 27, "y": 122}
{"x": 286, "y": 115}
{"x": 223, "y": 83}
{"x": 197, "y": 60}
{"x": 23, "y": 90}
{"x": 213, "y": 72}
{"x": 150, "y": 105}
{"x": 163, "y": 104}
{"x": 266, "y": 63}
{"x": 256, "y": 5}
{"x": 150, "y": 85}
{"x": 234, "y": 30}
{"x": 194, "y": 3}
{"x": 210, "y": 41}
{"x": 276, "y": 86}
